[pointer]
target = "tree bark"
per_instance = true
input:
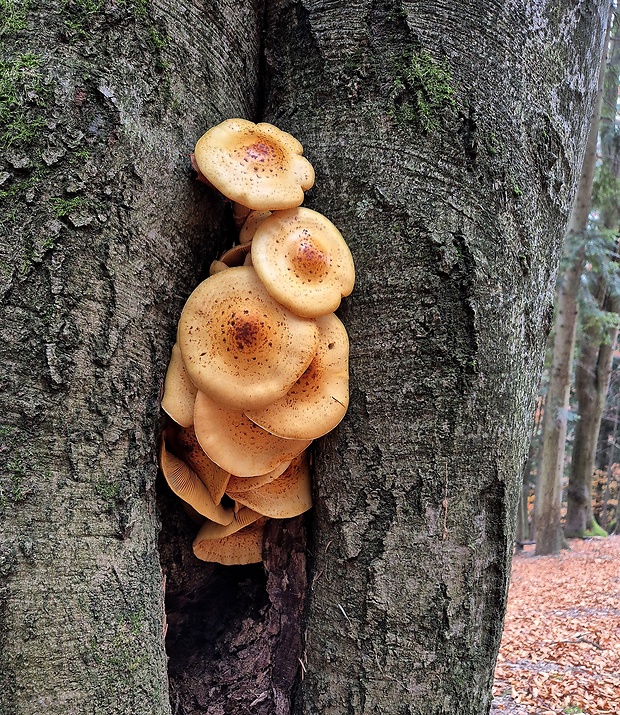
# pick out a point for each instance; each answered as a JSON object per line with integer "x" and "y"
{"x": 104, "y": 235}
{"x": 446, "y": 139}
{"x": 548, "y": 530}
{"x": 417, "y": 490}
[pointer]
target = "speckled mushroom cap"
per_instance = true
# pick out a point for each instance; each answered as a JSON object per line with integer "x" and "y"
{"x": 179, "y": 391}
{"x": 238, "y": 445}
{"x": 319, "y": 399}
{"x": 244, "y": 546}
{"x": 303, "y": 261}
{"x": 239, "y": 346}
{"x": 285, "y": 497}
{"x": 186, "y": 484}
{"x": 189, "y": 450}
{"x": 256, "y": 165}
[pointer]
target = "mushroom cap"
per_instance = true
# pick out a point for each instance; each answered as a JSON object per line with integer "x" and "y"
{"x": 303, "y": 261}
{"x": 252, "y": 222}
{"x": 246, "y": 484}
{"x": 186, "y": 484}
{"x": 241, "y": 547}
{"x": 238, "y": 445}
{"x": 239, "y": 346}
{"x": 243, "y": 518}
{"x": 287, "y": 496}
{"x": 256, "y": 165}
{"x": 319, "y": 399}
{"x": 213, "y": 477}
{"x": 179, "y": 391}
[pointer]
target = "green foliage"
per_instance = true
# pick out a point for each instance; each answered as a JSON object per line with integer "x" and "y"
{"x": 22, "y": 93}
{"x": 600, "y": 279}
{"x": 422, "y": 89}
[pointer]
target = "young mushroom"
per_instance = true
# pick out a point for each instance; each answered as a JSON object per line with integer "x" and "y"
{"x": 256, "y": 165}
{"x": 239, "y": 346}
{"x": 319, "y": 399}
{"x": 247, "y": 484}
{"x": 242, "y": 546}
{"x": 238, "y": 445}
{"x": 285, "y": 497}
{"x": 303, "y": 261}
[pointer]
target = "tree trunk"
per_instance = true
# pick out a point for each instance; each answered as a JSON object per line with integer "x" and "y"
{"x": 597, "y": 343}
{"x": 548, "y": 531}
{"x": 443, "y": 312}
{"x": 103, "y": 237}
{"x": 446, "y": 139}
{"x": 591, "y": 382}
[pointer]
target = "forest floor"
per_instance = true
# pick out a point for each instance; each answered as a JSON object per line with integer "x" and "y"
{"x": 560, "y": 651}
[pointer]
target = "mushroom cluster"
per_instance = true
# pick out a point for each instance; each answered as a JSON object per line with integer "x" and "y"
{"x": 260, "y": 365}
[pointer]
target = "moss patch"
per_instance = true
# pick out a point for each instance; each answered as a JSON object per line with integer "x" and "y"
{"x": 595, "y": 530}
{"x": 421, "y": 91}
{"x": 13, "y": 16}
{"x": 22, "y": 95}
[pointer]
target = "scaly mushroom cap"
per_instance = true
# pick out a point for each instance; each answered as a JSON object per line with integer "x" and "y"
{"x": 179, "y": 391}
{"x": 252, "y": 222}
{"x": 239, "y": 548}
{"x": 303, "y": 261}
{"x": 239, "y": 346}
{"x": 256, "y": 165}
{"x": 319, "y": 399}
{"x": 287, "y": 496}
{"x": 186, "y": 484}
{"x": 237, "y": 444}
{"x": 246, "y": 484}
{"x": 189, "y": 450}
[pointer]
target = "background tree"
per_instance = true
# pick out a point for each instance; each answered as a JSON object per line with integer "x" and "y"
{"x": 446, "y": 139}
{"x": 598, "y": 307}
{"x": 549, "y": 492}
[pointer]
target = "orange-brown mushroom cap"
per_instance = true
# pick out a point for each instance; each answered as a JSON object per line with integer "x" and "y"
{"x": 319, "y": 399}
{"x": 256, "y": 165}
{"x": 238, "y": 445}
{"x": 179, "y": 391}
{"x": 303, "y": 261}
{"x": 239, "y": 346}
{"x": 244, "y": 546}
{"x": 186, "y": 484}
{"x": 285, "y": 497}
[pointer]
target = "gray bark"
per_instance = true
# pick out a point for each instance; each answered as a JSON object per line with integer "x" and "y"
{"x": 454, "y": 215}
{"x": 417, "y": 490}
{"x": 103, "y": 237}
{"x": 548, "y": 530}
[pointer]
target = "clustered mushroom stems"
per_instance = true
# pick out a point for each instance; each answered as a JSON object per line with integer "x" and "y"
{"x": 260, "y": 365}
